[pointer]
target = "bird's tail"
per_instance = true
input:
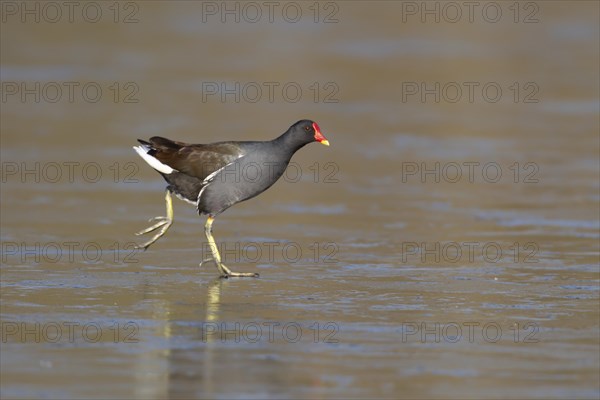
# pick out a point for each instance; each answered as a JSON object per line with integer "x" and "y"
{"x": 146, "y": 151}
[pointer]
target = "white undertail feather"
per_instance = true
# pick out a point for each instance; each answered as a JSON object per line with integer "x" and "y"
{"x": 153, "y": 162}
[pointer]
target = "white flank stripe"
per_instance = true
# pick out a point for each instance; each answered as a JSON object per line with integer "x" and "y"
{"x": 153, "y": 162}
{"x": 200, "y": 194}
{"x": 180, "y": 197}
{"x": 210, "y": 177}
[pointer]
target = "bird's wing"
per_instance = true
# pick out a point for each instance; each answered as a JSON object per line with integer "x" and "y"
{"x": 196, "y": 160}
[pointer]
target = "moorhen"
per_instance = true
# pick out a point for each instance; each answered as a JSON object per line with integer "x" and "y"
{"x": 218, "y": 175}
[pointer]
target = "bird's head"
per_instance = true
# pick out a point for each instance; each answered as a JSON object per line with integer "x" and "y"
{"x": 311, "y": 131}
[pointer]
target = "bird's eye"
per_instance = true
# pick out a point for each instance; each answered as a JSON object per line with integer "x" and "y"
{"x": 306, "y": 128}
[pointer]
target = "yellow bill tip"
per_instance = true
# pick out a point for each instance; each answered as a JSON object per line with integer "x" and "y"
{"x": 325, "y": 142}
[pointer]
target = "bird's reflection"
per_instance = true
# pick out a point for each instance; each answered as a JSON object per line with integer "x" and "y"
{"x": 154, "y": 377}
{"x": 152, "y": 380}
{"x": 213, "y": 300}
{"x": 213, "y": 304}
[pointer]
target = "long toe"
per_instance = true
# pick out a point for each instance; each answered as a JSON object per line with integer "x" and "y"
{"x": 243, "y": 275}
{"x": 156, "y": 226}
{"x": 142, "y": 247}
{"x": 206, "y": 260}
{"x": 159, "y": 218}
{"x": 164, "y": 226}
{"x": 227, "y": 273}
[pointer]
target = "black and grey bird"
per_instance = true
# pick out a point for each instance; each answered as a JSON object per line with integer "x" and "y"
{"x": 218, "y": 175}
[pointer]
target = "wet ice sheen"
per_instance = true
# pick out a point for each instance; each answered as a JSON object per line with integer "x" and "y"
{"x": 373, "y": 323}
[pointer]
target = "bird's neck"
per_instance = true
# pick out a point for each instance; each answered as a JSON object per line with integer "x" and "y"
{"x": 289, "y": 143}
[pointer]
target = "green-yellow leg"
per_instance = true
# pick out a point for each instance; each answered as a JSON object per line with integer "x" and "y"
{"x": 163, "y": 224}
{"x": 225, "y": 272}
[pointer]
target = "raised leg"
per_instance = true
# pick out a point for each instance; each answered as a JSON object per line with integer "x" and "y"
{"x": 225, "y": 272}
{"x": 163, "y": 224}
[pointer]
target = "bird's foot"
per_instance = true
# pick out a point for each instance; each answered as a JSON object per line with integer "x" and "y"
{"x": 227, "y": 273}
{"x": 163, "y": 224}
